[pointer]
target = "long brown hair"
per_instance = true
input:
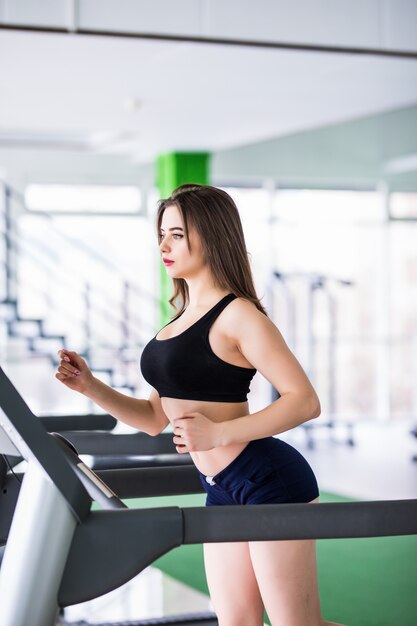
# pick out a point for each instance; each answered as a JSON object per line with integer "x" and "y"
{"x": 215, "y": 217}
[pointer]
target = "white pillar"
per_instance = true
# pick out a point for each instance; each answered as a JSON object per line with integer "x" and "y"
{"x": 382, "y": 313}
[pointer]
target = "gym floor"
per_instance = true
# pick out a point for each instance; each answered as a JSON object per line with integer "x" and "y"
{"x": 379, "y": 466}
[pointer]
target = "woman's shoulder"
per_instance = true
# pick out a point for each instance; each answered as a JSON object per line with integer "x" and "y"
{"x": 243, "y": 305}
{"x": 242, "y": 312}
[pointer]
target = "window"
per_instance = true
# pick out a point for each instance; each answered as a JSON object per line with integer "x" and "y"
{"x": 83, "y": 198}
{"x": 403, "y": 205}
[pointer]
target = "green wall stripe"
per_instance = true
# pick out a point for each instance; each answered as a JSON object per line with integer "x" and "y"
{"x": 174, "y": 169}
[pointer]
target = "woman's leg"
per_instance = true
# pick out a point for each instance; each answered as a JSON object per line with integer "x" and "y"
{"x": 286, "y": 572}
{"x": 232, "y": 584}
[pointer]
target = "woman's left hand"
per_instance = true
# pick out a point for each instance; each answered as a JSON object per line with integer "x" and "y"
{"x": 194, "y": 432}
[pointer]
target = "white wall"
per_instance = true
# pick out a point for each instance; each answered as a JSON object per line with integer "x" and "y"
{"x": 364, "y": 23}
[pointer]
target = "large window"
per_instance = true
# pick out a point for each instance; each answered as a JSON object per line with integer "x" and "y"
{"x": 83, "y": 198}
{"x": 91, "y": 280}
{"x": 340, "y": 281}
{"x": 402, "y": 283}
{"x": 403, "y": 205}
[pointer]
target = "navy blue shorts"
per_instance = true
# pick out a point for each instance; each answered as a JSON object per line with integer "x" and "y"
{"x": 267, "y": 471}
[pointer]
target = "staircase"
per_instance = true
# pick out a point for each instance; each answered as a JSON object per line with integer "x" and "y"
{"x": 46, "y": 306}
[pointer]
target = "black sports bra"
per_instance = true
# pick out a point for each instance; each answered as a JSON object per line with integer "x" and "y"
{"x": 185, "y": 366}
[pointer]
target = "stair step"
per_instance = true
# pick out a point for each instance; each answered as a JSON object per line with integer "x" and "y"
{"x": 47, "y": 344}
{"x": 15, "y": 349}
{"x": 24, "y": 327}
{"x": 130, "y": 355}
{"x": 103, "y": 374}
{"x": 7, "y": 310}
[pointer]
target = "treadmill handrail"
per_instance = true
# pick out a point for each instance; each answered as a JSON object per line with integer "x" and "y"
{"x": 79, "y": 422}
{"x": 28, "y": 435}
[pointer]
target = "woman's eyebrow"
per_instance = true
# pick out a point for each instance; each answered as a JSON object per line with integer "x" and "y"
{"x": 171, "y": 229}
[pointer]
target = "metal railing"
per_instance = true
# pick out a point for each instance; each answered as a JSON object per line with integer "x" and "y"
{"x": 95, "y": 319}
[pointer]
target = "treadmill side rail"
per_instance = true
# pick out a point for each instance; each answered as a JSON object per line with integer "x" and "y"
{"x": 110, "y": 547}
{"x": 36, "y": 552}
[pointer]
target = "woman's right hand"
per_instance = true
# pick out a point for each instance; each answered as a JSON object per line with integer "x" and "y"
{"x": 73, "y": 371}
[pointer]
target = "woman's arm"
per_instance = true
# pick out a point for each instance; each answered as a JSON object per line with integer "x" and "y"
{"x": 260, "y": 341}
{"x": 145, "y": 415}
{"x": 285, "y": 413}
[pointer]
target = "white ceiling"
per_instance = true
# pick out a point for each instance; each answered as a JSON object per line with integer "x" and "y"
{"x": 142, "y": 97}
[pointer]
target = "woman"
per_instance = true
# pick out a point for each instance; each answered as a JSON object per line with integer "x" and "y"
{"x": 201, "y": 365}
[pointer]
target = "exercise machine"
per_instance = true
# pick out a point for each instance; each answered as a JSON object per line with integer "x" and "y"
{"x": 311, "y": 284}
{"x": 61, "y": 552}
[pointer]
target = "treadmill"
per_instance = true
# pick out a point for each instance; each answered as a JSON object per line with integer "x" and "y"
{"x": 59, "y": 552}
{"x": 38, "y": 576}
{"x": 92, "y": 435}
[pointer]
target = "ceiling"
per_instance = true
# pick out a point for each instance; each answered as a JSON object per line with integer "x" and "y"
{"x": 139, "y": 98}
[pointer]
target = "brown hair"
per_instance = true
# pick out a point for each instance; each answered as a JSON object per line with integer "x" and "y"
{"x": 215, "y": 217}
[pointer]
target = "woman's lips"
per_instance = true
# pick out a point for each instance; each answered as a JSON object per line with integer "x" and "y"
{"x": 167, "y": 262}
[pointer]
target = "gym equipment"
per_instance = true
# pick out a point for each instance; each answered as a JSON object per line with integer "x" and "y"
{"x": 87, "y": 422}
{"x": 110, "y": 450}
{"x": 127, "y": 483}
{"x": 312, "y": 283}
{"x": 91, "y": 435}
{"x": 65, "y": 503}
{"x": 92, "y": 552}
{"x": 197, "y": 619}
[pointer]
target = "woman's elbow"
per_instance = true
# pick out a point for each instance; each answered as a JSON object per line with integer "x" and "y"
{"x": 315, "y": 407}
{"x": 158, "y": 426}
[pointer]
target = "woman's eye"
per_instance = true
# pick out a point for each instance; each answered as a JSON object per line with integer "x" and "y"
{"x": 174, "y": 236}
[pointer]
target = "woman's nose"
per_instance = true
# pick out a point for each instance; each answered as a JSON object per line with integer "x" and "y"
{"x": 163, "y": 245}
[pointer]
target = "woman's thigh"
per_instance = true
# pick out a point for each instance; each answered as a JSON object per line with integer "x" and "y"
{"x": 232, "y": 584}
{"x": 286, "y": 572}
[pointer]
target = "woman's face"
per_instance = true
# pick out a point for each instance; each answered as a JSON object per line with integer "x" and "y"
{"x": 179, "y": 261}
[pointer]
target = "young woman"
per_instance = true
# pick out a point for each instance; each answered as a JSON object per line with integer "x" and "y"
{"x": 201, "y": 365}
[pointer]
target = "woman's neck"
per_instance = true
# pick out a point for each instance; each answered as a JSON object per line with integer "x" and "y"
{"x": 204, "y": 295}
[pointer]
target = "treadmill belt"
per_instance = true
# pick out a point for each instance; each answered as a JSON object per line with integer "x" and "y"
{"x": 194, "y": 619}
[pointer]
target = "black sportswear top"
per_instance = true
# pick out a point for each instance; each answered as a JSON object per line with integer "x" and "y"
{"x": 185, "y": 366}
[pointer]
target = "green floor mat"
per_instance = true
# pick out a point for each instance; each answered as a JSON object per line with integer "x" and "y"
{"x": 363, "y": 582}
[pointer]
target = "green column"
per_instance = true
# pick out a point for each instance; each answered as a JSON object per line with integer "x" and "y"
{"x": 174, "y": 169}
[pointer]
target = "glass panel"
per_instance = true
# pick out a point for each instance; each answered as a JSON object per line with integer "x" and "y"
{"x": 327, "y": 249}
{"x": 83, "y": 198}
{"x": 403, "y": 205}
{"x": 403, "y": 317}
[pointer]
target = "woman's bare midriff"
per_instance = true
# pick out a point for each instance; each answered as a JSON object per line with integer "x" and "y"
{"x": 212, "y": 461}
